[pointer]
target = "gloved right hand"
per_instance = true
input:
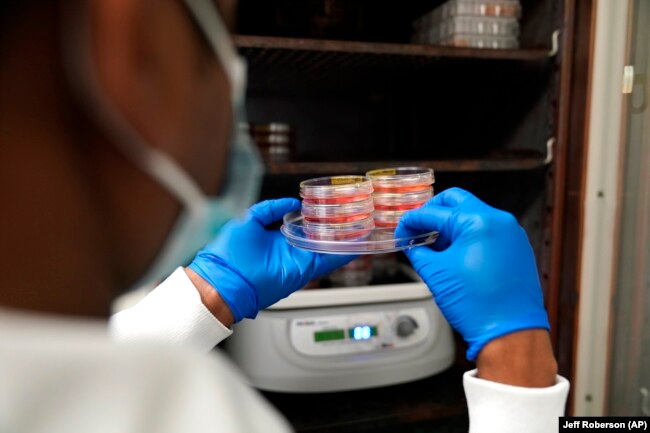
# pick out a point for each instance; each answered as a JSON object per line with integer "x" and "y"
{"x": 481, "y": 271}
{"x": 253, "y": 267}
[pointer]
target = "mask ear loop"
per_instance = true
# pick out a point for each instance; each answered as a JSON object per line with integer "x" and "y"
{"x": 207, "y": 17}
{"x": 83, "y": 82}
{"x": 239, "y": 182}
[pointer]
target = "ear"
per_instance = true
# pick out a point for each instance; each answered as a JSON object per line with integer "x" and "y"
{"x": 143, "y": 51}
{"x": 157, "y": 70}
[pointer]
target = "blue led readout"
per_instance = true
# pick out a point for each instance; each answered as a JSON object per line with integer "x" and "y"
{"x": 361, "y": 332}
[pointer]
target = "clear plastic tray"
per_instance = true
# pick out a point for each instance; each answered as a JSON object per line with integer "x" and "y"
{"x": 377, "y": 242}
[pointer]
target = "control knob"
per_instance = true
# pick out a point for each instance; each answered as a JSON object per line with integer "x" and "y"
{"x": 405, "y": 326}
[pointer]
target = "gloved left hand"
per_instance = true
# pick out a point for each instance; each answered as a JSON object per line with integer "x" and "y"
{"x": 252, "y": 267}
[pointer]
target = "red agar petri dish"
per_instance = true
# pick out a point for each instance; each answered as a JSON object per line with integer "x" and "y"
{"x": 342, "y": 231}
{"x": 335, "y": 187}
{"x": 398, "y": 207}
{"x": 403, "y": 189}
{"x": 336, "y": 219}
{"x": 387, "y": 218}
{"x": 385, "y": 225}
{"x": 401, "y": 179}
{"x": 335, "y": 200}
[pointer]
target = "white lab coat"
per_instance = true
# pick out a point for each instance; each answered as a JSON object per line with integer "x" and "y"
{"x": 65, "y": 375}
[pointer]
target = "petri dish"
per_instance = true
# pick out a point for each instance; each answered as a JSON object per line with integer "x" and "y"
{"x": 335, "y": 189}
{"x": 401, "y": 179}
{"x": 337, "y": 210}
{"x": 388, "y": 219}
{"x": 404, "y": 201}
{"x": 348, "y": 230}
{"x": 400, "y": 207}
{"x": 376, "y": 241}
{"x": 336, "y": 219}
{"x": 335, "y": 200}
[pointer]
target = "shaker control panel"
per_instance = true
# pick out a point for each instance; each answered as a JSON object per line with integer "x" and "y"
{"x": 359, "y": 333}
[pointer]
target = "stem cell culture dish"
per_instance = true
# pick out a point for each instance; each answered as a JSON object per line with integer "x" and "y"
{"x": 333, "y": 189}
{"x": 337, "y": 208}
{"x": 401, "y": 179}
{"x": 398, "y": 190}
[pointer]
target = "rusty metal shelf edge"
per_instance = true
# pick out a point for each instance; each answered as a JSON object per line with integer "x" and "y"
{"x": 381, "y": 48}
{"x": 467, "y": 165}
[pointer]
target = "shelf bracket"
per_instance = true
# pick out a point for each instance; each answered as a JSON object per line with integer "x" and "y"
{"x": 555, "y": 43}
{"x": 645, "y": 401}
{"x": 549, "y": 151}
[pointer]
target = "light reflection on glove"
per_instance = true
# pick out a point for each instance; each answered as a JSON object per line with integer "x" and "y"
{"x": 252, "y": 267}
{"x": 481, "y": 271}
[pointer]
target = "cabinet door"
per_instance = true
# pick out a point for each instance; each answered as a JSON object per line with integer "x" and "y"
{"x": 629, "y": 387}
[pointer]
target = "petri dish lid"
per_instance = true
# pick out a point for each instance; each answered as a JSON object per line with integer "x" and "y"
{"x": 335, "y": 186}
{"x": 340, "y": 209}
{"x": 379, "y": 241}
{"x": 401, "y": 176}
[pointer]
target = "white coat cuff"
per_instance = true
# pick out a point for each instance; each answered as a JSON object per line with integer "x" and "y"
{"x": 172, "y": 313}
{"x": 498, "y": 408}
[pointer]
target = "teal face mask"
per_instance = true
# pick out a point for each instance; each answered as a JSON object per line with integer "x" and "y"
{"x": 201, "y": 216}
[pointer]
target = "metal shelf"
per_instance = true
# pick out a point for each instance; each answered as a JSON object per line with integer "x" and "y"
{"x": 519, "y": 160}
{"x": 291, "y": 63}
{"x": 260, "y": 48}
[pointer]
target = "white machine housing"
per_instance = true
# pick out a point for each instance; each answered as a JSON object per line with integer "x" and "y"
{"x": 325, "y": 340}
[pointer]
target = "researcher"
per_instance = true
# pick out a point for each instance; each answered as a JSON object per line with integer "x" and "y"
{"x": 121, "y": 163}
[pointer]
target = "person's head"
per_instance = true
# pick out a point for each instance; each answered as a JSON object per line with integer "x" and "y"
{"x": 80, "y": 220}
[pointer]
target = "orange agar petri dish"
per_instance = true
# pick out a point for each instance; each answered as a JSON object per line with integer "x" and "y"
{"x": 385, "y": 225}
{"x": 387, "y": 219}
{"x": 401, "y": 179}
{"x": 403, "y": 189}
{"x": 346, "y": 230}
{"x": 310, "y": 210}
{"x": 335, "y": 200}
{"x": 397, "y": 207}
{"x": 336, "y": 187}
{"x": 406, "y": 201}
{"x": 336, "y": 219}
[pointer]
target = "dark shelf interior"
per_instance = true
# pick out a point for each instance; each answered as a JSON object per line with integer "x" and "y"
{"x": 369, "y": 20}
{"x": 359, "y": 96}
{"x": 433, "y": 404}
{"x": 299, "y": 65}
{"x": 465, "y": 109}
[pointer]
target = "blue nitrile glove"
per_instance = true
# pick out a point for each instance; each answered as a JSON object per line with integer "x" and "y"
{"x": 252, "y": 267}
{"x": 482, "y": 269}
